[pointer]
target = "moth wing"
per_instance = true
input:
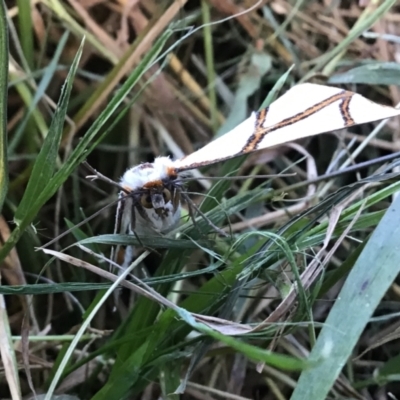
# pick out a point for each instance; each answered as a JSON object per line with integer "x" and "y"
{"x": 304, "y": 110}
{"x": 225, "y": 147}
{"x": 316, "y": 109}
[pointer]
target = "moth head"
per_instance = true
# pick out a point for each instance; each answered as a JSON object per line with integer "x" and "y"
{"x": 155, "y": 198}
{"x": 154, "y": 186}
{"x": 162, "y": 197}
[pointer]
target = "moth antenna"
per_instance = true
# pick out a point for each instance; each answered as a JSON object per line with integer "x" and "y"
{"x": 100, "y": 176}
{"x": 78, "y": 225}
{"x": 232, "y": 178}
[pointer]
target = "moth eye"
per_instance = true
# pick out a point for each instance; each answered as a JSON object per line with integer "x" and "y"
{"x": 145, "y": 201}
{"x": 166, "y": 195}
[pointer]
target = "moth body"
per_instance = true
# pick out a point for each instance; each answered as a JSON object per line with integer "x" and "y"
{"x": 147, "y": 174}
{"x": 151, "y": 203}
{"x": 152, "y": 192}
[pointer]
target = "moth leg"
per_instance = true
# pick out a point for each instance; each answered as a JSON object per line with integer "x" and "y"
{"x": 133, "y": 223}
{"x": 176, "y": 198}
{"x": 142, "y": 213}
{"x": 139, "y": 208}
{"x": 209, "y": 222}
{"x": 192, "y": 217}
{"x": 118, "y": 228}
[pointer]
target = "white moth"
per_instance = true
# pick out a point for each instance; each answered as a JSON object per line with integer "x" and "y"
{"x": 152, "y": 194}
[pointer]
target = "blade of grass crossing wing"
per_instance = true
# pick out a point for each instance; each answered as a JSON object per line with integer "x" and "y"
{"x": 220, "y": 187}
{"x": 3, "y": 103}
{"x": 249, "y": 83}
{"x": 370, "y": 278}
{"x": 273, "y": 93}
{"x": 45, "y": 163}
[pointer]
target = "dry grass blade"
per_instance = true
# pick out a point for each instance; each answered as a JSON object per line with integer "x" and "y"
{"x": 8, "y": 357}
{"x": 223, "y": 326}
{"x": 128, "y": 61}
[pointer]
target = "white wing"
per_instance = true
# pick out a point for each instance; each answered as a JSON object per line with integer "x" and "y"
{"x": 305, "y": 110}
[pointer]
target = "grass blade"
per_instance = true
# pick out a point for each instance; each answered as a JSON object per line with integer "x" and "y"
{"x": 40, "y": 91}
{"x": 357, "y": 30}
{"x": 373, "y": 273}
{"x": 25, "y": 30}
{"x": 81, "y": 151}
{"x": 3, "y": 103}
{"x": 45, "y": 164}
{"x": 27, "y": 211}
{"x": 381, "y": 73}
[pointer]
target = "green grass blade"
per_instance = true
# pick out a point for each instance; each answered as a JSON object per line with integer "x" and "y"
{"x": 273, "y": 93}
{"x": 249, "y": 83}
{"x": 3, "y": 103}
{"x": 84, "y": 326}
{"x": 47, "y": 288}
{"x": 39, "y": 92}
{"x": 355, "y": 32}
{"x": 209, "y": 53}
{"x": 81, "y": 151}
{"x": 376, "y": 73}
{"x": 52, "y": 183}
{"x": 372, "y": 275}
{"x": 45, "y": 164}
{"x": 26, "y": 30}
{"x": 252, "y": 352}
{"x": 74, "y": 26}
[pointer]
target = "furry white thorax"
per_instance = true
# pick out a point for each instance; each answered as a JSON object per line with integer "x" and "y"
{"x": 136, "y": 177}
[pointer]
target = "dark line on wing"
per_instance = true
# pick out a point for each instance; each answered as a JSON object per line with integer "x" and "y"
{"x": 260, "y": 133}
{"x": 260, "y": 118}
{"x": 345, "y": 111}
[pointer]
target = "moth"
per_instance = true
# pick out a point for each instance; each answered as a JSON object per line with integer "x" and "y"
{"x": 152, "y": 194}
